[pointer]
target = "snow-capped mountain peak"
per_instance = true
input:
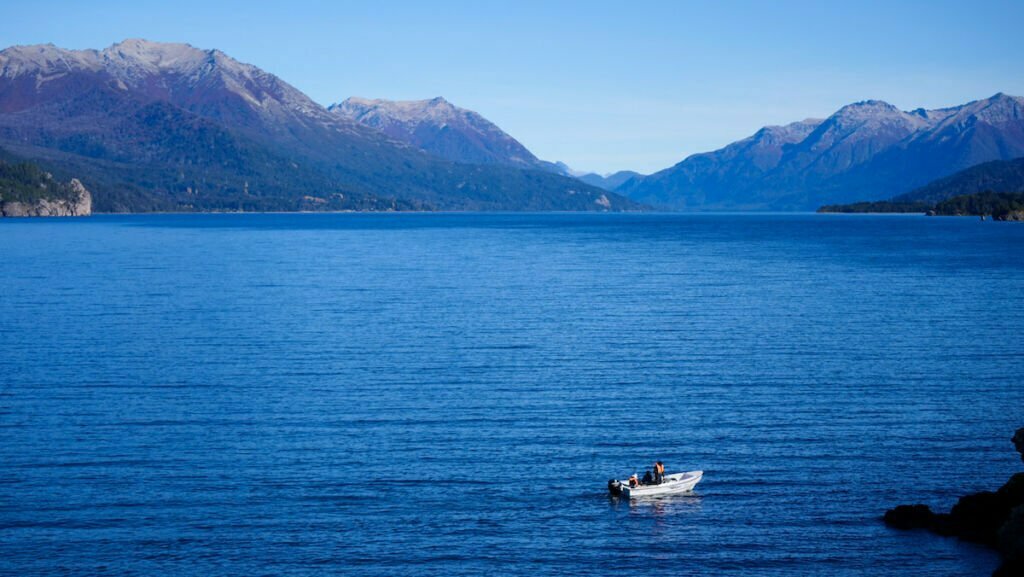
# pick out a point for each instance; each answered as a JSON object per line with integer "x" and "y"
{"x": 154, "y": 56}
{"x": 379, "y": 111}
{"x": 46, "y": 59}
{"x": 440, "y": 128}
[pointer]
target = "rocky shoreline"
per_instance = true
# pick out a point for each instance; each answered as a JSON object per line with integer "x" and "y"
{"x": 994, "y": 519}
{"x": 79, "y": 203}
{"x": 1013, "y": 215}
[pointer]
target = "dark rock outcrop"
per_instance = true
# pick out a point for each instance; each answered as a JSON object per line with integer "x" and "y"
{"x": 976, "y": 518}
{"x": 1010, "y": 543}
{"x": 910, "y": 517}
{"x": 1018, "y": 442}
{"x": 995, "y": 519}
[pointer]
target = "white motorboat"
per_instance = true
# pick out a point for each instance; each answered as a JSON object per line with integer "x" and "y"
{"x": 674, "y": 484}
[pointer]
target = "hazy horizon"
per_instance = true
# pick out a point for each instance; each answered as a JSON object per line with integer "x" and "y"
{"x": 599, "y": 88}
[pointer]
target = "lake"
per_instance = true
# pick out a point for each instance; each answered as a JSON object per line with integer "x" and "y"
{"x": 447, "y": 394}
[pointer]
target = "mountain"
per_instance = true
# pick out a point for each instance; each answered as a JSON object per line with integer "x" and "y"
{"x": 445, "y": 130}
{"x": 440, "y": 128}
{"x": 156, "y": 126}
{"x": 723, "y": 178}
{"x": 865, "y": 151}
{"x": 609, "y": 181}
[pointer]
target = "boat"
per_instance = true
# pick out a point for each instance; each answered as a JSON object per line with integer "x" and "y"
{"x": 674, "y": 484}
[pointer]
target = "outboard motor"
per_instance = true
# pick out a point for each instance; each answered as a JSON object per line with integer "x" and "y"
{"x": 614, "y": 487}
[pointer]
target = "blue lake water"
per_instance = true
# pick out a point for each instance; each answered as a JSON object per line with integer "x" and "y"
{"x": 432, "y": 394}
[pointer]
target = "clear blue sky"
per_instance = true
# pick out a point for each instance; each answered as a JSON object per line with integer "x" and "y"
{"x": 600, "y": 85}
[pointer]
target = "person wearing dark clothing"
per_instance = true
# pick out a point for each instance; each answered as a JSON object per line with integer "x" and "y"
{"x": 648, "y": 479}
{"x": 659, "y": 473}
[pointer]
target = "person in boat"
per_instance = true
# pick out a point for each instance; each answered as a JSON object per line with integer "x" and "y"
{"x": 648, "y": 478}
{"x": 634, "y": 481}
{"x": 659, "y": 473}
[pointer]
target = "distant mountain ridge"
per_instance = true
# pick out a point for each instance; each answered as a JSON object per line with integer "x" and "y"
{"x": 609, "y": 181}
{"x": 458, "y": 134}
{"x": 865, "y": 151}
{"x": 440, "y": 128}
{"x": 157, "y": 126}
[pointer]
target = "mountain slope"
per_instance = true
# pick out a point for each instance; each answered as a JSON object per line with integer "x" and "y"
{"x": 998, "y": 176}
{"x": 172, "y": 127}
{"x": 447, "y": 131}
{"x": 440, "y": 128}
{"x": 865, "y": 151}
{"x": 726, "y": 177}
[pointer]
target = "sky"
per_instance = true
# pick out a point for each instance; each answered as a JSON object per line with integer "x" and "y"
{"x": 601, "y": 86}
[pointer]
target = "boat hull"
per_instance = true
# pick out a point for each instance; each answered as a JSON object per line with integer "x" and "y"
{"x": 674, "y": 484}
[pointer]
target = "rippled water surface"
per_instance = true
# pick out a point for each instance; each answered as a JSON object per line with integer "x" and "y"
{"x": 447, "y": 394}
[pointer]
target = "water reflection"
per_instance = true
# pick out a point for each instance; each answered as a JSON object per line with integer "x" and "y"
{"x": 689, "y": 503}
{"x": 668, "y": 505}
